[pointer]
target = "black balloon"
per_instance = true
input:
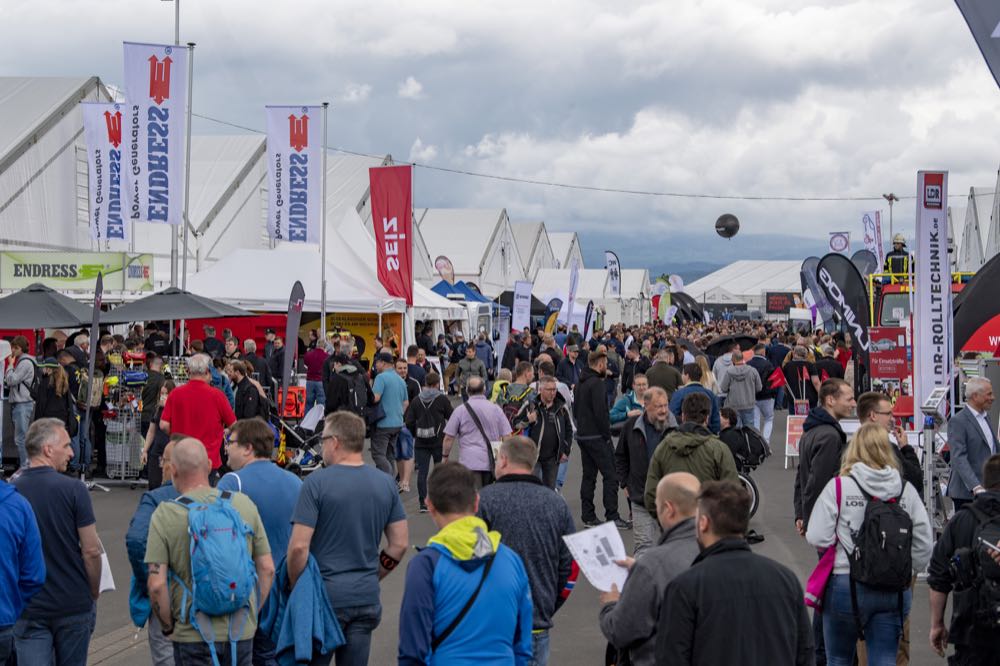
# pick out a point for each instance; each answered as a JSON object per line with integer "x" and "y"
{"x": 727, "y": 225}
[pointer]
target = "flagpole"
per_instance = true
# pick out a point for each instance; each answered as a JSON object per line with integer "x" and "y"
{"x": 322, "y": 241}
{"x": 173, "y": 232}
{"x": 187, "y": 166}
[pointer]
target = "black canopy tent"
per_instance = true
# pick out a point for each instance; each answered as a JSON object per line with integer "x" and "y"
{"x": 172, "y": 304}
{"x": 721, "y": 343}
{"x": 37, "y": 306}
{"x": 507, "y": 299}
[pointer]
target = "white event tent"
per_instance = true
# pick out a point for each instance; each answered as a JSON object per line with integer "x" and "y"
{"x": 632, "y": 307}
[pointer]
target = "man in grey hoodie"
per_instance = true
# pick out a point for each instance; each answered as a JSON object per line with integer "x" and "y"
{"x": 629, "y": 618}
{"x": 740, "y": 385}
{"x": 722, "y": 365}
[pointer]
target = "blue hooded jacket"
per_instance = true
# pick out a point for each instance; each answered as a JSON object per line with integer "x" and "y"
{"x": 439, "y": 582}
{"x": 22, "y": 567}
{"x": 135, "y": 544}
{"x": 222, "y": 383}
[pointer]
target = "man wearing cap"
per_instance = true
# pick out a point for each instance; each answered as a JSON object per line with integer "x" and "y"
{"x": 268, "y": 342}
{"x": 389, "y": 391}
{"x": 568, "y": 371}
{"x": 898, "y": 260}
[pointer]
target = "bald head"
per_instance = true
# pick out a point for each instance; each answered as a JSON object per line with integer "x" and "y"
{"x": 676, "y": 498}
{"x": 190, "y": 463}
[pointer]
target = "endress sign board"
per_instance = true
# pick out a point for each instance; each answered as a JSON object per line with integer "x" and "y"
{"x": 76, "y": 271}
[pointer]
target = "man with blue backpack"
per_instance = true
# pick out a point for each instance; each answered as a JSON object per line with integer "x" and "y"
{"x": 210, "y": 566}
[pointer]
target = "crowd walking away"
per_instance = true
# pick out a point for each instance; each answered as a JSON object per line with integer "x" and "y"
{"x": 238, "y": 555}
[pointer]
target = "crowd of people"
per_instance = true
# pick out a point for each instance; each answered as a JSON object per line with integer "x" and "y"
{"x": 236, "y": 560}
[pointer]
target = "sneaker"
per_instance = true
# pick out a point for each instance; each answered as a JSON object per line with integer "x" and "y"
{"x": 594, "y": 522}
{"x": 423, "y": 508}
{"x": 622, "y": 524}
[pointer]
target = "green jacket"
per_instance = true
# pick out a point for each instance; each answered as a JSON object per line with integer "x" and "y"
{"x": 691, "y": 448}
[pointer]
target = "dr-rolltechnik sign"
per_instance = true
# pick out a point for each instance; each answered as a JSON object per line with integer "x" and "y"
{"x": 76, "y": 270}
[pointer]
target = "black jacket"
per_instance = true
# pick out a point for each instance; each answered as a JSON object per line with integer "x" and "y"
{"x": 590, "y": 407}
{"x": 260, "y": 366}
{"x": 558, "y": 416}
{"x": 439, "y": 406}
{"x": 632, "y": 456}
{"x": 830, "y": 366}
{"x": 50, "y": 405}
{"x": 910, "y": 464}
{"x": 734, "y": 607}
{"x": 820, "y": 449}
{"x": 337, "y": 393}
{"x": 959, "y": 532}
{"x": 568, "y": 372}
{"x": 247, "y": 400}
{"x": 765, "y": 369}
{"x": 629, "y": 370}
{"x": 665, "y": 376}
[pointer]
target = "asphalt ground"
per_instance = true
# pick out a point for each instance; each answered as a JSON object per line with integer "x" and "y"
{"x": 576, "y": 638}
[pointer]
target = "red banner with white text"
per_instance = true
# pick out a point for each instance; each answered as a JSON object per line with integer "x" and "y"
{"x": 392, "y": 219}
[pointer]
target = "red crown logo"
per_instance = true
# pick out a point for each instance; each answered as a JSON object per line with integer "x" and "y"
{"x": 298, "y": 132}
{"x": 114, "y": 123}
{"x": 159, "y": 79}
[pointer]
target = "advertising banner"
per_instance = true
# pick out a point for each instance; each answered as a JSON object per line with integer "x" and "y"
{"x": 932, "y": 320}
{"x": 614, "y": 274}
{"x": 808, "y": 277}
{"x": 588, "y": 319}
{"x": 574, "y": 282}
{"x": 866, "y": 262}
{"x": 888, "y": 353}
{"x": 363, "y": 327}
{"x": 445, "y": 269}
{"x": 294, "y": 173}
{"x": 552, "y": 314}
{"x": 780, "y": 302}
{"x": 846, "y": 291}
{"x": 392, "y": 218}
{"x": 871, "y": 232}
{"x": 983, "y": 18}
{"x": 156, "y": 91}
{"x": 102, "y": 131}
{"x": 840, "y": 241}
{"x": 521, "y": 310}
{"x": 76, "y": 271}
{"x": 793, "y": 433}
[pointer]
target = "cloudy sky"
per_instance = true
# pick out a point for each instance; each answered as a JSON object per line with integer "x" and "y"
{"x": 758, "y": 97}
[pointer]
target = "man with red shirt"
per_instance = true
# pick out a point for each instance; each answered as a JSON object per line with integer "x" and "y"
{"x": 199, "y": 410}
{"x": 315, "y": 359}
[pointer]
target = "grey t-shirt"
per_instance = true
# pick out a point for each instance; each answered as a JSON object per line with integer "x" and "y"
{"x": 349, "y": 507}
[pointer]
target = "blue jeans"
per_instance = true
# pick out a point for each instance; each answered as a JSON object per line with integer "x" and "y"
{"x": 539, "y": 648}
{"x": 746, "y": 416}
{"x": 764, "y": 418}
{"x": 561, "y": 474}
{"x": 357, "y": 623}
{"x": 62, "y": 641}
{"x": 779, "y": 398}
{"x": 199, "y": 654}
{"x": 20, "y": 414}
{"x": 404, "y": 445}
{"x": 880, "y": 619}
{"x": 315, "y": 394}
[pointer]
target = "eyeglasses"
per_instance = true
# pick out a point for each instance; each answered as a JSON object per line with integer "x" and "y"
{"x": 888, "y": 413}
{"x": 323, "y": 438}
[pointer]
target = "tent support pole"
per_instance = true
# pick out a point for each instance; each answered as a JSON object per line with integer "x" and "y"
{"x": 322, "y": 240}
{"x": 187, "y": 171}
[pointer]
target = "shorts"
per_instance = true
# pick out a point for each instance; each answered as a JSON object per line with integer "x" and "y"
{"x": 404, "y": 445}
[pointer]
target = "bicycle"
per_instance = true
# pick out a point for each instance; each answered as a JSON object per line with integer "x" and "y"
{"x": 751, "y": 488}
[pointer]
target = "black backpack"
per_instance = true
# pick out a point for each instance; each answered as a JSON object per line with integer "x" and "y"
{"x": 34, "y": 384}
{"x": 987, "y": 583}
{"x": 748, "y": 447}
{"x": 881, "y": 558}
{"x": 357, "y": 393}
{"x": 427, "y": 427}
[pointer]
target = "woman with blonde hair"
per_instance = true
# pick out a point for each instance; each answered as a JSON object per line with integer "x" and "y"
{"x": 54, "y": 400}
{"x": 707, "y": 377}
{"x": 869, "y": 472}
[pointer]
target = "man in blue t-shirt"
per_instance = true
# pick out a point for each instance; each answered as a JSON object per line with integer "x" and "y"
{"x": 341, "y": 515}
{"x": 389, "y": 390}
{"x": 272, "y": 489}
{"x": 55, "y": 627}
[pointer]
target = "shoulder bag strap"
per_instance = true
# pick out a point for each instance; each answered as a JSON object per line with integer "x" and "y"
{"x": 443, "y": 636}
{"x": 482, "y": 431}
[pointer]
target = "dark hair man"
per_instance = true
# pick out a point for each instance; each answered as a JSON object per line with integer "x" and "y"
{"x": 875, "y": 407}
{"x": 389, "y": 390}
{"x": 703, "y": 619}
{"x": 441, "y": 579}
{"x": 533, "y": 520}
{"x": 691, "y": 374}
{"x": 341, "y": 515}
{"x": 593, "y": 434}
{"x": 663, "y": 373}
{"x": 18, "y": 379}
{"x": 764, "y": 399}
{"x": 547, "y": 422}
{"x": 691, "y": 448}
{"x": 426, "y": 417}
{"x": 970, "y": 632}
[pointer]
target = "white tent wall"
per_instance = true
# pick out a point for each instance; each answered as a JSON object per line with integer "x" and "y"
{"x": 993, "y": 235}
{"x": 533, "y": 245}
{"x": 43, "y": 170}
{"x": 746, "y": 281}
{"x": 970, "y": 251}
{"x": 565, "y": 248}
{"x": 631, "y": 308}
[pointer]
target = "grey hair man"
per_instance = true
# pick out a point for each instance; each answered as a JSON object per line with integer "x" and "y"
{"x": 629, "y": 618}
{"x": 972, "y": 440}
{"x": 57, "y": 624}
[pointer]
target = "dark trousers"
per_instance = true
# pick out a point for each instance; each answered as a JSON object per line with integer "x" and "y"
{"x": 199, "y": 654}
{"x": 818, "y": 641}
{"x": 423, "y": 462}
{"x": 597, "y": 455}
{"x": 547, "y": 471}
{"x": 100, "y": 439}
{"x": 968, "y": 655}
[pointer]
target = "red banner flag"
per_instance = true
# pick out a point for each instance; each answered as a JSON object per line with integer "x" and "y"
{"x": 392, "y": 218}
{"x": 777, "y": 379}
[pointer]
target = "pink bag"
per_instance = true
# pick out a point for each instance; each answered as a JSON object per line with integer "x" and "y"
{"x": 816, "y": 585}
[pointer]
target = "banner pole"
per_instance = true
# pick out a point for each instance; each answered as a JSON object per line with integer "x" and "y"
{"x": 173, "y": 232}
{"x": 322, "y": 241}
{"x": 187, "y": 168}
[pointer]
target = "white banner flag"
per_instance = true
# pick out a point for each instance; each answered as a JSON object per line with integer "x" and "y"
{"x": 871, "y": 227}
{"x": 932, "y": 318}
{"x": 102, "y": 131}
{"x": 574, "y": 281}
{"x": 521, "y": 312}
{"x": 295, "y": 173}
{"x": 614, "y": 273}
{"x": 156, "y": 90}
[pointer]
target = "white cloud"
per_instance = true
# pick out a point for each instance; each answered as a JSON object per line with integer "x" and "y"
{"x": 410, "y": 89}
{"x": 420, "y": 152}
{"x": 355, "y": 93}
